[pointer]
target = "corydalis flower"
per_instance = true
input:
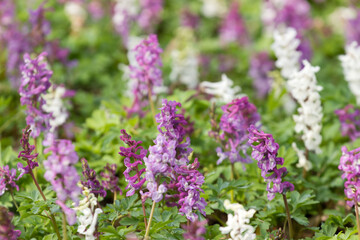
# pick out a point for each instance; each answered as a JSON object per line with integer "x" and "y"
{"x": 237, "y": 117}
{"x": 62, "y": 174}
{"x": 90, "y": 180}
{"x": 285, "y": 48}
{"x": 8, "y": 178}
{"x": 237, "y": 225}
{"x": 349, "y": 164}
{"x": 303, "y": 87}
{"x": 169, "y": 157}
{"x": 110, "y": 181}
{"x": 222, "y": 90}
{"x": 134, "y": 155}
{"x": 7, "y": 231}
{"x": 233, "y": 28}
{"x": 150, "y": 13}
{"x": 351, "y": 66}
{"x": 26, "y": 154}
{"x": 265, "y": 151}
{"x": 195, "y": 230}
{"x": 146, "y": 75}
{"x": 34, "y": 84}
{"x": 260, "y": 67}
{"x": 352, "y": 28}
{"x": 350, "y": 121}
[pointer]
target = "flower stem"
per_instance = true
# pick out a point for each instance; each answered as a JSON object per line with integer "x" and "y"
{"x": 151, "y": 102}
{"x": 357, "y": 219}
{"x": 115, "y": 194}
{"x": 12, "y": 196}
{"x": 232, "y": 178}
{"x": 288, "y": 217}
{"x": 64, "y": 227}
{"x": 150, "y": 218}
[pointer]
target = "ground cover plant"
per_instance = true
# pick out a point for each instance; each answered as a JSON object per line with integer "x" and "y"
{"x": 179, "y": 119}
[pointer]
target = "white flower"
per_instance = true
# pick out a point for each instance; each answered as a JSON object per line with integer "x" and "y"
{"x": 237, "y": 224}
{"x": 351, "y": 66}
{"x": 303, "y": 162}
{"x": 76, "y": 14}
{"x": 214, "y": 8}
{"x": 284, "y": 46}
{"x": 223, "y": 90}
{"x": 88, "y": 219}
{"x": 339, "y": 18}
{"x": 124, "y": 9}
{"x": 303, "y": 87}
{"x": 54, "y": 105}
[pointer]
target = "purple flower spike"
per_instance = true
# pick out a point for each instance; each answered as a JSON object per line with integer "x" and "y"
{"x": 237, "y": 117}
{"x": 350, "y": 121}
{"x": 260, "y": 66}
{"x": 90, "y": 180}
{"x": 111, "y": 180}
{"x": 349, "y": 164}
{"x": 7, "y": 231}
{"x": 130, "y": 153}
{"x": 265, "y": 151}
{"x": 8, "y": 178}
{"x": 62, "y": 174}
{"x": 169, "y": 158}
{"x": 233, "y": 28}
{"x": 34, "y": 84}
{"x": 146, "y": 75}
{"x": 26, "y": 154}
{"x": 195, "y": 230}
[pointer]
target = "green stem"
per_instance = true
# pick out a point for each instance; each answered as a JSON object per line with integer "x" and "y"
{"x": 288, "y": 217}
{"x": 64, "y": 227}
{"x": 150, "y": 218}
{"x": 357, "y": 219}
{"x": 12, "y": 196}
{"x": 151, "y": 103}
{"x": 232, "y": 178}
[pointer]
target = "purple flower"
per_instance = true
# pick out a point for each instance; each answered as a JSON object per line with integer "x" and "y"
{"x": 265, "y": 151}
{"x": 26, "y": 154}
{"x": 8, "y": 178}
{"x": 90, "y": 180}
{"x": 233, "y": 28}
{"x": 62, "y": 174}
{"x": 130, "y": 153}
{"x": 349, "y": 164}
{"x": 234, "y": 123}
{"x": 111, "y": 180}
{"x": 146, "y": 74}
{"x": 40, "y": 27}
{"x": 194, "y": 230}
{"x": 169, "y": 158}
{"x": 189, "y": 19}
{"x": 260, "y": 66}
{"x": 352, "y": 29}
{"x": 69, "y": 212}
{"x": 34, "y": 84}
{"x": 7, "y": 231}
{"x": 349, "y": 118}
{"x": 150, "y": 13}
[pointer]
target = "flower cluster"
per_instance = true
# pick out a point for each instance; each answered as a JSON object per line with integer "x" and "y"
{"x": 7, "y": 231}
{"x": 303, "y": 162}
{"x": 195, "y": 230}
{"x": 8, "y": 178}
{"x": 26, "y": 154}
{"x": 62, "y": 174}
{"x": 349, "y": 164}
{"x": 169, "y": 157}
{"x": 150, "y": 12}
{"x": 110, "y": 181}
{"x": 237, "y": 225}
{"x": 223, "y": 90}
{"x": 189, "y": 19}
{"x": 90, "y": 180}
{"x": 285, "y": 48}
{"x": 260, "y": 66}
{"x": 184, "y": 59}
{"x": 234, "y": 123}
{"x": 351, "y": 66}
{"x": 265, "y": 151}
{"x": 137, "y": 153}
{"x": 76, "y": 14}
{"x": 146, "y": 74}
{"x": 352, "y": 28}
{"x": 304, "y": 89}
{"x": 233, "y": 28}
{"x": 350, "y": 121}
{"x": 90, "y": 212}
{"x": 214, "y": 8}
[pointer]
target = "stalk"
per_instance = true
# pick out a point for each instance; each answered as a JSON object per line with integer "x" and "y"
{"x": 12, "y": 196}
{"x": 357, "y": 219}
{"x": 115, "y": 193}
{"x": 232, "y": 178}
{"x": 151, "y": 102}
{"x": 288, "y": 217}
{"x": 150, "y": 218}
{"x": 64, "y": 227}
